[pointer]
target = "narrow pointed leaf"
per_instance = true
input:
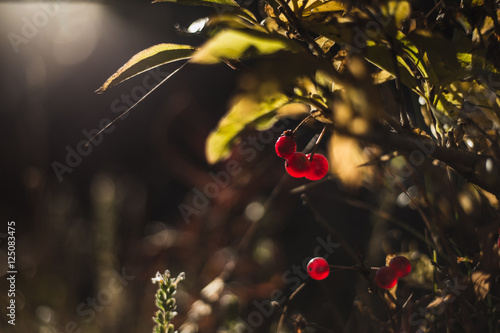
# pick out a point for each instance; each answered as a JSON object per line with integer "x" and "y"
{"x": 147, "y": 59}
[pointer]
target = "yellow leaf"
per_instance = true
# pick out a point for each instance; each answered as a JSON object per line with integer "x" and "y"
{"x": 322, "y": 6}
{"x": 236, "y": 44}
{"x": 398, "y": 10}
{"x": 382, "y": 76}
{"x": 242, "y": 113}
{"x": 147, "y": 59}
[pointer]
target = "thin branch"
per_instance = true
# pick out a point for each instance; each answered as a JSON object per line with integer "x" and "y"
{"x": 283, "y": 313}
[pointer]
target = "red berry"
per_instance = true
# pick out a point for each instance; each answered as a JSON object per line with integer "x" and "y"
{"x": 285, "y": 146}
{"x": 401, "y": 265}
{"x": 318, "y": 268}
{"x": 319, "y": 167}
{"x": 386, "y": 277}
{"x": 297, "y": 165}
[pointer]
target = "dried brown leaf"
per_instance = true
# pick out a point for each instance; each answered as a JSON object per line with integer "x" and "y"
{"x": 481, "y": 282}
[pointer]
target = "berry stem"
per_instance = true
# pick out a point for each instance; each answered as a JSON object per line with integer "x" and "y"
{"x": 354, "y": 267}
{"x": 305, "y": 120}
{"x": 318, "y": 140}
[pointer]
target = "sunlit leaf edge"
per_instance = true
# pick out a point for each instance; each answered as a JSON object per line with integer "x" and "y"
{"x": 147, "y": 59}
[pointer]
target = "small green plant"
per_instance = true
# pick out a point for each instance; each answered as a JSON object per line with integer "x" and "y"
{"x": 165, "y": 301}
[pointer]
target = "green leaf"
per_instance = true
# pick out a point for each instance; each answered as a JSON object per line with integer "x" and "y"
{"x": 266, "y": 121}
{"x": 170, "y": 304}
{"x": 147, "y": 59}
{"x": 397, "y": 10}
{"x": 162, "y": 296}
{"x": 476, "y": 64}
{"x": 233, "y": 21}
{"x": 159, "y": 304}
{"x": 465, "y": 59}
{"x": 170, "y": 315}
{"x": 244, "y": 111}
{"x": 381, "y": 56}
{"x": 481, "y": 65}
{"x": 237, "y": 44}
{"x": 321, "y": 7}
{"x": 413, "y": 54}
{"x": 440, "y": 53}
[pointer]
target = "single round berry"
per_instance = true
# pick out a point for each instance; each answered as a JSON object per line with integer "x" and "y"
{"x": 319, "y": 167}
{"x": 401, "y": 265}
{"x": 385, "y": 277}
{"x": 297, "y": 165}
{"x": 318, "y": 268}
{"x": 285, "y": 146}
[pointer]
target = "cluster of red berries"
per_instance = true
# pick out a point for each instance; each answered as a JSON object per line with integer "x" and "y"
{"x": 387, "y": 277}
{"x": 298, "y": 165}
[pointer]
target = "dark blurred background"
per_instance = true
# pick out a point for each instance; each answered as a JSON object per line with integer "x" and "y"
{"x": 83, "y": 220}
